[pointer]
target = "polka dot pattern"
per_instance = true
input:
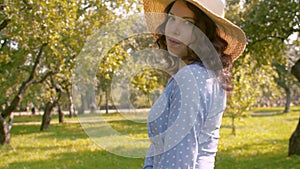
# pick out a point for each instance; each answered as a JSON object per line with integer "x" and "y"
{"x": 184, "y": 122}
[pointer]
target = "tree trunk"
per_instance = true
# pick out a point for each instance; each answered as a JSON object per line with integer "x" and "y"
{"x": 47, "y": 116}
{"x": 4, "y": 23}
{"x": 61, "y": 116}
{"x": 294, "y": 145}
{"x": 288, "y": 100}
{"x": 10, "y": 122}
{"x": 296, "y": 70}
{"x": 32, "y": 110}
{"x": 82, "y": 106}
{"x": 100, "y": 100}
{"x": 4, "y": 132}
{"x": 71, "y": 104}
{"x": 149, "y": 99}
{"x": 106, "y": 101}
{"x": 233, "y": 125}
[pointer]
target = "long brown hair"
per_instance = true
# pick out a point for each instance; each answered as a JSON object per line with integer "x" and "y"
{"x": 210, "y": 29}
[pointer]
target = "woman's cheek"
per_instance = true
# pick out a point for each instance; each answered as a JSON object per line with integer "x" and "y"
{"x": 192, "y": 35}
{"x": 187, "y": 37}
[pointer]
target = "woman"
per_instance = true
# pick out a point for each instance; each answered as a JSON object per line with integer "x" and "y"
{"x": 184, "y": 122}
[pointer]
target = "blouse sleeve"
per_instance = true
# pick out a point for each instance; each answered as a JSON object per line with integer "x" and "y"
{"x": 148, "y": 164}
{"x": 209, "y": 135}
{"x": 188, "y": 105}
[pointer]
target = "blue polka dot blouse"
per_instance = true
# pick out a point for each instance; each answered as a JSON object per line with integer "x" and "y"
{"x": 184, "y": 122}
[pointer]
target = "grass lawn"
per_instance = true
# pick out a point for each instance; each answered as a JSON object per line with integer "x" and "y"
{"x": 261, "y": 143}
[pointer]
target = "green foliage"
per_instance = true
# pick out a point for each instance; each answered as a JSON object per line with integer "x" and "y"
{"x": 284, "y": 78}
{"x": 33, "y": 24}
{"x": 268, "y": 26}
{"x": 124, "y": 64}
{"x": 243, "y": 97}
{"x": 62, "y": 26}
{"x": 104, "y": 52}
{"x": 146, "y": 82}
{"x": 109, "y": 66}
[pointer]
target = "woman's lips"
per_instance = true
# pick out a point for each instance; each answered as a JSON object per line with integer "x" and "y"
{"x": 173, "y": 42}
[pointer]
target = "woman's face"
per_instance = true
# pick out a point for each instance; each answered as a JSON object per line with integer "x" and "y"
{"x": 179, "y": 29}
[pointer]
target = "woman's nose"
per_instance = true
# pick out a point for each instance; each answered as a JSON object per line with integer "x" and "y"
{"x": 174, "y": 27}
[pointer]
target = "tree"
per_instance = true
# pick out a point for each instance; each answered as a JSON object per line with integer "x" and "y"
{"x": 284, "y": 80}
{"x": 39, "y": 39}
{"x": 108, "y": 67}
{"x": 53, "y": 98}
{"x": 268, "y": 26}
{"x": 146, "y": 82}
{"x": 294, "y": 144}
{"x": 244, "y": 95}
{"x": 28, "y": 39}
{"x": 4, "y": 129}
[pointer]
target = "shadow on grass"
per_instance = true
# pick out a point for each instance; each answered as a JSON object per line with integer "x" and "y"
{"x": 292, "y": 119}
{"x": 261, "y": 155}
{"x": 55, "y": 149}
{"x": 273, "y": 111}
{"x": 104, "y": 160}
{"x": 29, "y": 129}
{"x": 258, "y": 161}
{"x": 54, "y": 131}
{"x": 271, "y": 114}
{"x": 127, "y": 126}
{"x": 81, "y": 160}
{"x": 31, "y": 118}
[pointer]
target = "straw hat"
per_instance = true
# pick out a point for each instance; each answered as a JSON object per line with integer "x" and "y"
{"x": 215, "y": 10}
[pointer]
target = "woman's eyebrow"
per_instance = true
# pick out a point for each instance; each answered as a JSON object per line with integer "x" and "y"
{"x": 185, "y": 17}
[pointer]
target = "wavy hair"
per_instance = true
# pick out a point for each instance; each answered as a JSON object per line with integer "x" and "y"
{"x": 210, "y": 29}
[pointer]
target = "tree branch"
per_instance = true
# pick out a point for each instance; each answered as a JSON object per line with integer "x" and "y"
{"x": 27, "y": 5}
{"x": 18, "y": 97}
{"x": 4, "y": 23}
{"x": 57, "y": 86}
{"x": 81, "y": 11}
{"x": 37, "y": 61}
{"x": 282, "y": 38}
{"x": 50, "y": 73}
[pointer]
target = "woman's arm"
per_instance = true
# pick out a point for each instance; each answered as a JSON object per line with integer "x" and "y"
{"x": 208, "y": 137}
{"x": 187, "y": 111}
{"x": 208, "y": 142}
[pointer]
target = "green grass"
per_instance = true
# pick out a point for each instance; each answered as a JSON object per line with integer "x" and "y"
{"x": 261, "y": 143}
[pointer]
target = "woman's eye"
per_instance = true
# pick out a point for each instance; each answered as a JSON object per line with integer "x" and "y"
{"x": 171, "y": 18}
{"x": 187, "y": 22}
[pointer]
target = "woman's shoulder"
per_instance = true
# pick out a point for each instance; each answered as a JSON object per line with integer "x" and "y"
{"x": 195, "y": 70}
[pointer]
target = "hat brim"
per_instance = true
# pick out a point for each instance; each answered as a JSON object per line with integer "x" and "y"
{"x": 231, "y": 33}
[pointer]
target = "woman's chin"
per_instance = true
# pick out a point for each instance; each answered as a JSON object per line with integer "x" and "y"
{"x": 175, "y": 53}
